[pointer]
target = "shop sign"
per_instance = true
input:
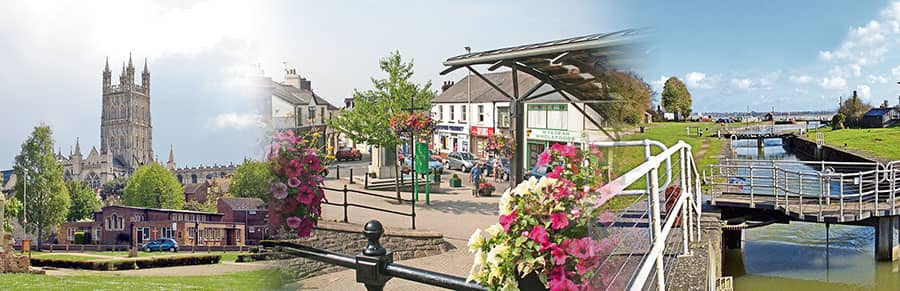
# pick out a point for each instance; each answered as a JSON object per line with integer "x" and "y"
{"x": 565, "y": 135}
{"x": 450, "y": 128}
{"x": 482, "y": 131}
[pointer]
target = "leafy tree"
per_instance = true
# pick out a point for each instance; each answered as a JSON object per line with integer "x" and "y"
{"x": 837, "y": 121}
{"x": 12, "y": 209}
{"x": 368, "y": 121}
{"x": 84, "y": 201}
{"x": 676, "y": 98}
{"x": 854, "y": 109}
{"x": 252, "y": 179}
{"x": 47, "y": 200}
{"x": 113, "y": 188}
{"x": 208, "y": 206}
{"x": 155, "y": 187}
{"x": 632, "y": 91}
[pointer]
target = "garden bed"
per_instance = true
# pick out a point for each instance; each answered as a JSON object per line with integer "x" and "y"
{"x": 127, "y": 264}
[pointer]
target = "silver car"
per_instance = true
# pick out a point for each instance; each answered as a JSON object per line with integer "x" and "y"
{"x": 460, "y": 160}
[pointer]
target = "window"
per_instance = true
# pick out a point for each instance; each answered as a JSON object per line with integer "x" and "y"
{"x": 166, "y": 232}
{"x": 312, "y": 114}
{"x": 480, "y": 113}
{"x": 547, "y": 116}
{"x": 115, "y": 222}
{"x": 322, "y": 114}
{"x": 70, "y": 234}
{"x": 192, "y": 231}
{"x": 503, "y": 116}
{"x": 440, "y": 113}
{"x": 452, "y": 116}
{"x": 299, "y": 117}
{"x": 145, "y": 233}
{"x": 194, "y": 179}
{"x": 463, "y": 112}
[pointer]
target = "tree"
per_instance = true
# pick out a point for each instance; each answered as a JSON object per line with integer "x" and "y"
{"x": 208, "y": 206}
{"x": 12, "y": 209}
{"x": 676, "y": 98}
{"x": 854, "y": 109}
{"x": 633, "y": 93}
{"x": 84, "y": 201}
{"x": 252, "y": 179}
{"x": 155, "y": 187}
{"x": 113, "y": 188}
{"x": 47, "y": 201}
{"x": 837, "y": 121}
{"x": 368, "y": 121}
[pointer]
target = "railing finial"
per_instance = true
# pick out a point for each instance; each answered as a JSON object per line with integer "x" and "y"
{"x": 373, "y": 232}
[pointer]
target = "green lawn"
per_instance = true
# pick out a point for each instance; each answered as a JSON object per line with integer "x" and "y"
{"x": 252, "y": 280}
{"x": 879, "y": 142}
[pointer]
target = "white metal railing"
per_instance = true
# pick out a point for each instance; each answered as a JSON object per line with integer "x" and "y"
{"x": 685, "y": 207}
{"x": 810, "y": 188}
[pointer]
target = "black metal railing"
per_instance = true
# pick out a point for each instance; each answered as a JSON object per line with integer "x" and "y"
{"x": 346, "y": 204}
{"x": 374, "y": 265}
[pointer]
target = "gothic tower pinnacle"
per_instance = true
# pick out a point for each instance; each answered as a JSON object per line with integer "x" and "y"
{"x": 107, "y": 75}
{"x": 171, "y": 164}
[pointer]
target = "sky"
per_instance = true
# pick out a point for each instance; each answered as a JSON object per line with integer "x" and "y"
{"x": 204, "y": 55}
{"x": 793, "y": 55}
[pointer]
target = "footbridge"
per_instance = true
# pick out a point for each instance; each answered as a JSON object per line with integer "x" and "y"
{"x": 850, "y": 193}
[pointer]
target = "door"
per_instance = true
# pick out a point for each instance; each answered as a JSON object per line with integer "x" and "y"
{"x": 139, "y": 235}
{"x": 229, "y": 237}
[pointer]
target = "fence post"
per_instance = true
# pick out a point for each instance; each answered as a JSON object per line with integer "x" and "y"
{"x": 351, "y": 175}
{"x": 859, "y": 194}
{"x": 345, "y": 203}
{"x": 752, "y": 203}
{"x": 413, "y": 203}
{"x": 800, "y": 192}
{"x": 371, "y": 262}
{"x": 338, "y": 172}
{"x": 366, "y": 186}
{"x": 656, "y": 227}
{"x": 842, "y": 197}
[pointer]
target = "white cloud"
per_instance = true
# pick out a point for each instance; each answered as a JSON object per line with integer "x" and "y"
{"x": 801, "y": 91}
{"x": 877, "y": 79}
{"x": 896, "y": 72}
{"x": 864, "y": 91}
{"x": 696, "y": 80}
{"x": 742, "y": 83}
{"x": 657, "y": 85}
{"x": 867, "y": 44}
{"x": 800, "y": 79}
{"x": 233, "y": 120}
{"x": 836, "y": 83}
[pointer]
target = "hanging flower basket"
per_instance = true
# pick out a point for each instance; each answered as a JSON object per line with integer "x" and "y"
{"x": 500, "y": 145}
{"x": 544, "y": 238}
{"x": 297, "y": 194}
{"x": 407, "y": 124}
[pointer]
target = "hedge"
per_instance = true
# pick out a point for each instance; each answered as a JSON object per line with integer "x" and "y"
{"x": 246, "y": 258}
{"x": 128, "y": 264}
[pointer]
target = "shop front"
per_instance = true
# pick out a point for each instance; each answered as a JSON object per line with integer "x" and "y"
{"x": 451, "y": 138}
{"x": 480, "y": 136}
{"x": 539, "y": 140}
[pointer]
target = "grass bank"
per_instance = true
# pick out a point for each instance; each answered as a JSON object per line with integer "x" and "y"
{"x": 882, "y": 143}
{"x": 251, "y": 280}
{"x": 100, "y": 256}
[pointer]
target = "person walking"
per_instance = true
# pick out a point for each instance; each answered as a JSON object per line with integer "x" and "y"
{"x": 498, "y": 169}
{"x": 476, "y": 177}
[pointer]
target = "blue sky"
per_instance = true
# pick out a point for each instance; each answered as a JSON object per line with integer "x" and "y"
{"x": 794, "y": 55}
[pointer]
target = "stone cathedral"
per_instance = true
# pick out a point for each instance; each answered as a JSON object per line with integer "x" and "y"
{"x": 126, "y": 136}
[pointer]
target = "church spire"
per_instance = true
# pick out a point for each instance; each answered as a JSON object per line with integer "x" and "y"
{"x": 106, "y": 70}
{"x": 77, "y": 147}
{"x": 146, "y": 71}
{"x": 130, "y": 64}
{"x": 171, "y": 164}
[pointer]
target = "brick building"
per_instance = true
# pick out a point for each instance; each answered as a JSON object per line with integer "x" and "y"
{"x": 118, "y": 224}
{"x": 249, "y": 211}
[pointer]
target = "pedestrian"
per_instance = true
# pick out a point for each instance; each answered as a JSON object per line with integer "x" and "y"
{"x": 498, "y": 169}
{"x": 476, "y": 177}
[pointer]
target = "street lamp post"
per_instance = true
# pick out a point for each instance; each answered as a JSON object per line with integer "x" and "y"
{"x": 24, "y": 197}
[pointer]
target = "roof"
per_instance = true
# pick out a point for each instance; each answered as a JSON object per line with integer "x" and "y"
{"x": 164, "y": 210}
{"x": 239, "y": 203}
{"x": 297, "y": 96}
{"x": 192, "y": 188}
{"x": 482, "y": 92}
{"x": 878, "y": 111}
{"x": 5, "y": 174}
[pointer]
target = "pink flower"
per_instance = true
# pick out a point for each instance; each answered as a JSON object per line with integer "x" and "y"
{"x": 539, "y": 235}
{"x": 563, "y": 192}
{"x": 563, "y": 284}
{"x": 559, "y": 255}
{"x": 305, "y": 228}
{"x": 559, "y": 220}
{"x": 557, "y": 171}
{"x": 564, "y": 150}
{"x": 581, "y": 248}
{"x": 274, "y": 149}
{"x": 558, "y": 272}
{"x": 586, "y": 265}
{"x": 293, "y": 168}
{"x": 293, "y": 222}
{"x": 293, "y": 182}
{"x": 543, "y": 159}
{"x": 507, "y": 220}
{"x": 305, "y": 195}
{"x": 279, "y": 190}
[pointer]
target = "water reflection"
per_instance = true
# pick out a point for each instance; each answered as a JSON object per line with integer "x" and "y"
{"x": 795, "y": 257}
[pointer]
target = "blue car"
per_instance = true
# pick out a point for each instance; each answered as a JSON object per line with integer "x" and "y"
{"x": 163, "y": 245}
{"x": 538, "y": 172}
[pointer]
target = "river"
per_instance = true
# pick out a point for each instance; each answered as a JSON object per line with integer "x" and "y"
{"x": 795, "y": 257}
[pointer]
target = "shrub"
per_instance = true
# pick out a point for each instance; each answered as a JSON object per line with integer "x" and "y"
{"x": 82, "y": 238}
{"x": 128, "y": 264}
{"x": 254, "y": 250}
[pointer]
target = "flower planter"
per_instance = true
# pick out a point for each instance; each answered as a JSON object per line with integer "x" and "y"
{"x": 485, "y": 192}
{"x": 455, "y": 183}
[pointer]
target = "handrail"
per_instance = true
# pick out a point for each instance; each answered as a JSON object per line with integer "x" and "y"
{"x": 346, "y": 204}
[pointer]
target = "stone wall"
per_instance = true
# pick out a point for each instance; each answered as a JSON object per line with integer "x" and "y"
{"x": 807, "y": 149}
{"x": 348, "y": 239}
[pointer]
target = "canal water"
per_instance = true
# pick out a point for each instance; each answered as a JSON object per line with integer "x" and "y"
{"x": 796, "y": 256}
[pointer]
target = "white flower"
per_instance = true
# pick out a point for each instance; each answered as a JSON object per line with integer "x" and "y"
{"x": 493, "y": 256}
{"x": 510, "y": 284}
{"x": 495, "y": 229}
{"x": 522, "y": 189}
{"x": 543, "y": 184}
{"x": 476, "y": 266}
{"x": 503, "y": 204}
{"x": 476, "y": 240}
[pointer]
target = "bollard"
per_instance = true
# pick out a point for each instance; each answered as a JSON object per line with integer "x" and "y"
{"x": 338, "y": 172}
{"x": 351, "y": 175}
{"x": 366, "y": 186}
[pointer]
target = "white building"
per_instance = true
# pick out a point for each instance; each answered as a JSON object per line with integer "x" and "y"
{"x": 468, "y": 114}
{"x": 292, "y": 104}
{"x": 552, "y": 119}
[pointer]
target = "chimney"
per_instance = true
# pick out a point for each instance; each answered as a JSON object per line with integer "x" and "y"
{"x": 447, "y": 85}
{"x": 305, "y": 84}
{"x": 291, "y": 78}
{"x": 884, "y": 105}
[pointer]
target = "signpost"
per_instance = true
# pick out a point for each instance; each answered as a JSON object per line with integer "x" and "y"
{"x": 423, "y": 156}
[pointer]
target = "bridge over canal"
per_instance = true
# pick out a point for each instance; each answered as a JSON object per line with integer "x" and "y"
{"x": 772, "y": 191}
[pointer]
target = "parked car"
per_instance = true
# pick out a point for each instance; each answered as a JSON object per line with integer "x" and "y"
{"x": 433, "y": 164}
{"x": 163, "y": 244}
{"x": 460, "y": 160}
{"x": 489, "y": 167}
{"x": 538, "y": 172}
{"x": 348, "y": 153}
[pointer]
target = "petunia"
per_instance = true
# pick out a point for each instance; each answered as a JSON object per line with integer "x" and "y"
{"x": 293, "y": 168}
{"x": 293, "y": 222}
{"x": 586, "y": 265}
{"x": 539, "y": 235}
{"x": 581, "y": 248}
{"x": 507, "y": 220}
{"x": 557, "y": 172}
{"x": 559, "y": 220}
{"x": 305, "y": 228}
{"x": 279, "y": 190}
{"x": 543, "y": 159}
{"x": 563, "y": 284}
{"x": 293, "y": 182}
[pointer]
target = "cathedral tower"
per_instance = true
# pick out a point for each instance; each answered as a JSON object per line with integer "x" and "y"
{"x": 125, "y": 127}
